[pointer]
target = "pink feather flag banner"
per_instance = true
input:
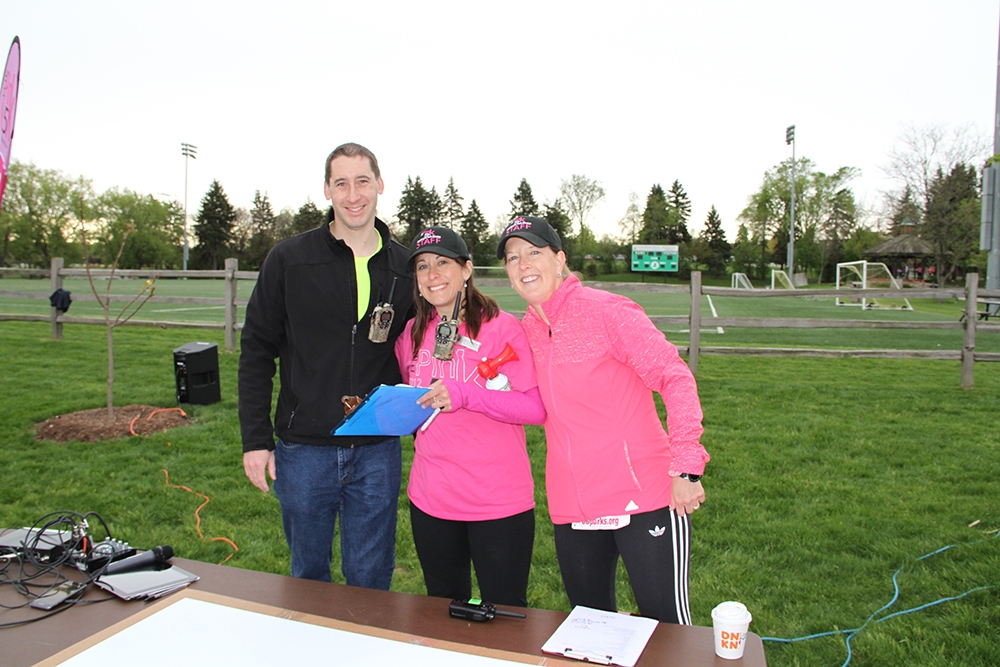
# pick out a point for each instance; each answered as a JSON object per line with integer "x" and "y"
{"x": 8, "y": 101}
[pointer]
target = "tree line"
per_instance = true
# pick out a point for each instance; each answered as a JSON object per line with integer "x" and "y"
{"x": 45, "y": 213}
{"x": 937, "y": 199}
{"x": 48, "y": 214}
{"x": 663, "y": 221}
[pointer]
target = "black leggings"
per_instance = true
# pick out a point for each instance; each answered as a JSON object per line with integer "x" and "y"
{"x": 500, "y": 550}
{"x": 656, "y": 549}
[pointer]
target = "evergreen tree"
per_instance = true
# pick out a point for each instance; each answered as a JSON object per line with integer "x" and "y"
{"x": 452, "y": 214}
{"x": 475, "y": 231}
{"x": 419, "y": 208}
{"x": 560, "y": 221}
{"x": 677, "y": 198}
{"x": 240, "y": 238}
{"x": 951, "y": 221}
{"x": 435, "y": 207}
{"x": 308, "y": 217}
{"x": 523, "y": 202}
{"x": 262, "y": 233}
{"x": 719, "y": 248}
{"x": 680, "y": 205}
{"x": 904, "y": 212}
{"x": 213, "y": 228}
{"x": 656, "y": 218}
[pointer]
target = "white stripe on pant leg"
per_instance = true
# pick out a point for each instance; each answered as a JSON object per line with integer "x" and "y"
{"x": 680, "y": 529}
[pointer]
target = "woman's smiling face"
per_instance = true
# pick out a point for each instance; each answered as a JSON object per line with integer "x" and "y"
{"x": 535, "y": 273}
{"x": 440, "y": 280}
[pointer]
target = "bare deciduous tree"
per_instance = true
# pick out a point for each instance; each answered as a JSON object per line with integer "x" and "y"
{"x": 921, "y": 151}
{"x": 580, "y": 195}
{"x": 631, "y": 222}
{"x": 124, "y": 315}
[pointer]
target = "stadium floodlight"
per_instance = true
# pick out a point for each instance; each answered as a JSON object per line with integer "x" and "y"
{"x": 790, "y": 139}
{"x": 188, "y": 151}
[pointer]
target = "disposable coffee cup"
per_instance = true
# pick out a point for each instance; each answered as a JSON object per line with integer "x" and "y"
{"x": 730, "y": 620}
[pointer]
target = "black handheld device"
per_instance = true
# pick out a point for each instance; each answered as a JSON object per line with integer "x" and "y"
{"x": 475, "y": 609}
{"x": 58, "y": 594}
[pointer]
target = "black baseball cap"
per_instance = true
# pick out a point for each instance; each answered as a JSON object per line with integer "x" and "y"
{"x": 440, "y": 241}
{"x": 536, "y": 231}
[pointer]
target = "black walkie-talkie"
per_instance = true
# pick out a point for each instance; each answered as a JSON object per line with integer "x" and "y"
{"x": 475, "y": 609}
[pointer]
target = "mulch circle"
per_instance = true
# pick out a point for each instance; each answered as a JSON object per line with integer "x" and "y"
{"x": 93, "y": 425}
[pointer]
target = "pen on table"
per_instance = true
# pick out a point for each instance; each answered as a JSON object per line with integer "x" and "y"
{"x": 433, "y": 414}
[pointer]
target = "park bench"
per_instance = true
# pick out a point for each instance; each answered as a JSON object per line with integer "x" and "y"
{"x": 990, "y": 309}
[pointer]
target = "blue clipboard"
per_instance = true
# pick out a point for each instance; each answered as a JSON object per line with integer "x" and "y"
{"x": 387, "y": 410}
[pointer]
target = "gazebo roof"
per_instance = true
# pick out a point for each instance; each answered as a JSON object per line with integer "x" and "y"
{"x": 904, "y": 245}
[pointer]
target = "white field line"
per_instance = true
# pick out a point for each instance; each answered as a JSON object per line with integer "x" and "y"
{"x": 714, "y": 314}
{"x": 175, "y": 310}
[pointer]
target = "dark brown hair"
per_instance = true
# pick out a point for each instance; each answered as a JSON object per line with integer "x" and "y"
{"x": 351, "y": 150}
{"x": 477, "y": 309}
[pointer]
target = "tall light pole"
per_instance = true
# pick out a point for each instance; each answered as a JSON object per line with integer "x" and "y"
{"x": 989, "y": 237}
{"x": 188, "y": 151}
{"x": 790, "y": 139}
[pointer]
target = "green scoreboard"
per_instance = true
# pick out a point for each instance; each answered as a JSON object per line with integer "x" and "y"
{"x": 658, "y": 258}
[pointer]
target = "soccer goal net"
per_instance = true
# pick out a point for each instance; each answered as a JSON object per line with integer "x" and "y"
{"x": 780, "y": 280}
{"x": 741, "y": 281}
{"x": 869, "y": 275}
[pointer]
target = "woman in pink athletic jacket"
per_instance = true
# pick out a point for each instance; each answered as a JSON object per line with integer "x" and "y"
{"x": 617, "y": 483}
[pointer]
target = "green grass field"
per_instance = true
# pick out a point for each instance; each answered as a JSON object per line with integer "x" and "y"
{"x": 827, "y": 475}
{"x": 925, "y": 310}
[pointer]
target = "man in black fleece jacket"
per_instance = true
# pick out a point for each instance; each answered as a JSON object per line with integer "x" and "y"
{"x": 317, "y": 309}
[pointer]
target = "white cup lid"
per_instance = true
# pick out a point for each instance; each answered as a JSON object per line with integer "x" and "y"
{"x": 731, "y": 612}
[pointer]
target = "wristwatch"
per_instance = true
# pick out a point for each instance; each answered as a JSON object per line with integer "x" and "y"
{"x": 690, "y": 478}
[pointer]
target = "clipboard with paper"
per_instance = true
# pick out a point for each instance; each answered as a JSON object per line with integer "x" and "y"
{"x": 387, "y": 410}
{"x": 604, "y": 637}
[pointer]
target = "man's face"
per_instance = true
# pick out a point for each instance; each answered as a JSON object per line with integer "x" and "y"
{"x": 353, "y": 192}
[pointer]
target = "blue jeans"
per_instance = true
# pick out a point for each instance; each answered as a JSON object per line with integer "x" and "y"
{"x": 315, "y": 483}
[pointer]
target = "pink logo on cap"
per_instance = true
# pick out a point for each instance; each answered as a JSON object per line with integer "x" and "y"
{"x": 517, "y": 225}
{"x": 428, "y": 237}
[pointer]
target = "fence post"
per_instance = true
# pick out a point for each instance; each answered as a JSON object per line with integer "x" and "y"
{"x": 55, "y": 283}
{"x": 232, "y": 265}
{"x": 695, "y": 321}
{"x": 969, "y": 339}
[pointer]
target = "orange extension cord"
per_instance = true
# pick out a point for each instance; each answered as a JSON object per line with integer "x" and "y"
{"x": 197, "y": 516}
{"x": 131, "y": 424}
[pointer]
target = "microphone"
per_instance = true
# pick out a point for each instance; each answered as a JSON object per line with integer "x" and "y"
{"x": 154, "y": 559}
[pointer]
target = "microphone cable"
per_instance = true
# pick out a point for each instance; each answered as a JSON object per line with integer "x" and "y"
{"x": 34, "y": 569}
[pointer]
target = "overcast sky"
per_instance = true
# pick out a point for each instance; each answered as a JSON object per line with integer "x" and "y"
{"x": 628, "y": 93}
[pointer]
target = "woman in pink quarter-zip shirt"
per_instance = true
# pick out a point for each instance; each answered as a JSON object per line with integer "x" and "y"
{"x": 471, "y": 493}
{"x": 618, "y": 484}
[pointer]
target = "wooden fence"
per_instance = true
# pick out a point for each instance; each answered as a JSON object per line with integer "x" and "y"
{"x": 230, "y": 301}
{"x": 695, "y": 320}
